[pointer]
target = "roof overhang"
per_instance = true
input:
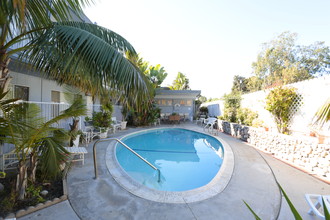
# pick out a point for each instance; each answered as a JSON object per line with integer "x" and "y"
{"x": 188, "y": 94}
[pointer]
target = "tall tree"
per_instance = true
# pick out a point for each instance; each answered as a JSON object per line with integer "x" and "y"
{"x": 77, "y": 53}
{"x": 157, "y": 75}
{"x": 181, "y": 82}
{"x": 239, "y": 84}
{"x": 281, "y": 62}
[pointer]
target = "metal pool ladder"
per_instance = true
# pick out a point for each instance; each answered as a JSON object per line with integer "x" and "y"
{"x": 128, "y": 148}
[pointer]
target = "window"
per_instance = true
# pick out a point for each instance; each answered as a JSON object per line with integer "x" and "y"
{"x": 56, "y": 97}
{"x": 182, "y": 102}
{"x": 189, "y": 102}
{"x": 21, "y": 92}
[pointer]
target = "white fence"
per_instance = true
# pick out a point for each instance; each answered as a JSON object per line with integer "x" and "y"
{"x": 314, "y": 93}
{"x": 49, "y": 110}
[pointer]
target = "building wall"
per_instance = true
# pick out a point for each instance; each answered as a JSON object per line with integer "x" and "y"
{"x": 169, "y": 106}
{"x": 40, "y": 91}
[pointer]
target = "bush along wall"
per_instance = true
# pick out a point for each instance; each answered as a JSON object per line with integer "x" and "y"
{"x": 303, "y": 152}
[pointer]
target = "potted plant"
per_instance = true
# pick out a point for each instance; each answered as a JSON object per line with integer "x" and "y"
{"x": 102, "y": 122}
{"x": 124, "y": 112}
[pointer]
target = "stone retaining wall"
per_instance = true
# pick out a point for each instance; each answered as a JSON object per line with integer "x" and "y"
{"x": 304, "y": 152}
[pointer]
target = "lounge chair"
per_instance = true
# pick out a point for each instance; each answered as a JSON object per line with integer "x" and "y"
{"x": 77, "y": 153}
{"x": 318, "y": 204}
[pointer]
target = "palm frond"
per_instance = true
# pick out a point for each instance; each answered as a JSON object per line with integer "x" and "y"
{"x": 86, "y": 55}
{"x": 292, "y": 208}
{"x": 18, "y": 17}
{"x": 322, "y": 115}
{"x": 256, "y": 217}
{"x": 52, "y": 154}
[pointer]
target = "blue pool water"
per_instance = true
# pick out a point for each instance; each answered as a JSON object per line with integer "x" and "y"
{"x": 186, "y": 159}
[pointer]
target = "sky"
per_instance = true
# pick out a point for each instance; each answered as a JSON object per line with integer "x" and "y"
{"x": 210, "y": 41}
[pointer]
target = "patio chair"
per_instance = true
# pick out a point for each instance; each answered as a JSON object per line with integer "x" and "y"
{"x": 162, "y": 116}
{"x": 90, "y": 132}
{"x": 181, "y": 116}
{"x": 200, "y": 120}
{"x": 116, "y": 125}
{"x": 186, "y": 116}
{"x": 210, "y": 122}
{"x": 314, "y": 207}
{"x": 167, "y": 115}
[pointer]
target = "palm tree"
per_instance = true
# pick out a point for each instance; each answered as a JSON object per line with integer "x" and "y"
{"x": 157, "y": 75}
{"x": 180, "y": 83}
{"x": 84, "y": 55}
{"x": 35, "y": 139}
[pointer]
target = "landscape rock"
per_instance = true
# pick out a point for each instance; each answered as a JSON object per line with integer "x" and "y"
{"x": 304, "y": 151}
{"x": 43, "y": 192}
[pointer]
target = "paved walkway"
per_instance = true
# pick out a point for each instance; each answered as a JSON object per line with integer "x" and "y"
{"x": 253, "y": 180}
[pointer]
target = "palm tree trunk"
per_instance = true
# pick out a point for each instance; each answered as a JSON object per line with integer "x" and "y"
{"x": 32, "y": 168}
{"x": 21, "y": 182}
{"x": 74, "y": 128}
{"x": 5, "y": 78}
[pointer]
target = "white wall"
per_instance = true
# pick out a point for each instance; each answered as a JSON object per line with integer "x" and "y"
{"x": 315, "y": 92}
{"x": 40, "y": 91}
{"x": 39, "y": 88}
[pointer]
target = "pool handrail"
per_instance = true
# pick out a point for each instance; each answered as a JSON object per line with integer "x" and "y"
{"x": 127, "y": 147}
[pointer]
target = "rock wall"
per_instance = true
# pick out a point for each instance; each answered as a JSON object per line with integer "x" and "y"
{"x": 304, "y": 152}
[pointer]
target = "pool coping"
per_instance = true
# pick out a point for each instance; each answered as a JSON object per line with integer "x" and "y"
{"x": 217, "y": 184}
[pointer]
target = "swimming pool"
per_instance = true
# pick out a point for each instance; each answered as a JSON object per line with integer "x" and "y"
{"x": 186, "y": 159}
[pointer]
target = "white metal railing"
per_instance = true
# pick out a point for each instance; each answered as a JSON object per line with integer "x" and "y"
{"x": 49, "y": 110}
{"x": 7, "y": 161}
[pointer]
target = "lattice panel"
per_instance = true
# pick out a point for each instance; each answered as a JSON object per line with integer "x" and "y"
{"x": 295, "y": 107}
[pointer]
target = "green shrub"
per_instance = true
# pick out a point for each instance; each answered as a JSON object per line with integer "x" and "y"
{"x": 232, "y": 102}
{"x": 33, "y": 193}
{"x": 8, "y": 203}
{"x": 102, "y": 119}
{"x": 2, "y": 174}
{"x": 257, "y": 123}
{"x": 280, "y": 103}
{"x": 246, "y": 116}
{"x": 203, "y": 110}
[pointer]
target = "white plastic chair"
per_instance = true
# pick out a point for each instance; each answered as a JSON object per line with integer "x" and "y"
{"x": 210, "y": 122}
{"x": 318, "y": 204}
{"x": 77, "y": 151}
{"x": 116, "y": 125}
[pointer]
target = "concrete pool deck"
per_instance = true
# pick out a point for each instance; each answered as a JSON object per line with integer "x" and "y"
{"x": 253, "y": 180}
